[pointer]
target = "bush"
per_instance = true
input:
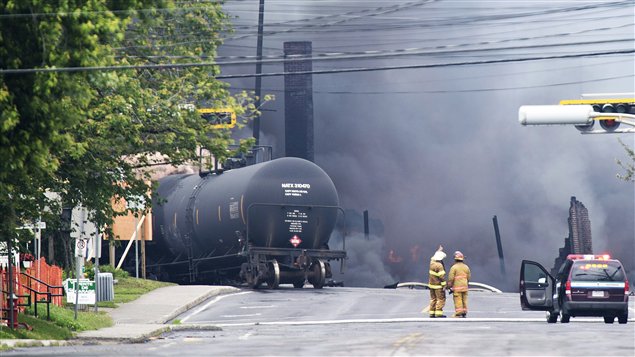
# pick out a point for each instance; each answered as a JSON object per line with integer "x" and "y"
{"x": 89, "y": 271}
{"x": 116, "y": 273}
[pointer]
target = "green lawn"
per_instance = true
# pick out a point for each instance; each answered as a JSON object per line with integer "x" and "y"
{"x": 63, "y": 323}
{"x": 61, "y": 326}
{"x": 129, "y": 289}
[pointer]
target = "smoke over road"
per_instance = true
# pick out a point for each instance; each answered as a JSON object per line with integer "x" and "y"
{"x": 434, "y": 153}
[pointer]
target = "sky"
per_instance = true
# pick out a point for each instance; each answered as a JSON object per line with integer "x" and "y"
{"x": 433, "y": 152}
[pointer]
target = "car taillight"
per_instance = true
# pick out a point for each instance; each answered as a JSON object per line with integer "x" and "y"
{"x": 626, "y": 286}
{"x": 567, "y": 288}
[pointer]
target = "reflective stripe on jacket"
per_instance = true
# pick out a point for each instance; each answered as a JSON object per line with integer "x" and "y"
{"x": 459, "y": 277}
{"x": 437, "y": 275}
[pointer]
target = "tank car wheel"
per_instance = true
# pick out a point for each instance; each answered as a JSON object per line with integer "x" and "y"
{"x": 253, "y": 282}
{"x": 319, "y": 274}
{"x": 273, "y": 281}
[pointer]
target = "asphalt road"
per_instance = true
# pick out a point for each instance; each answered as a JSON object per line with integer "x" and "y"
{"x": 370, "y": 322}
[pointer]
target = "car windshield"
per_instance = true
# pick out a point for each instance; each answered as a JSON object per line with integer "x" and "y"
{"x": 597, "y": 270}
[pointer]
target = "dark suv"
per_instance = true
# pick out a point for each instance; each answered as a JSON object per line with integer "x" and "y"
{"x": 586, "y": 285}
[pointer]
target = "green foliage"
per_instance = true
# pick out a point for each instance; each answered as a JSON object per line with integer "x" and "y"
{"x": 91, "y": 135}
{"x": 116, "y": 273}
{"x": 89, "y": 271}
{"x": 629, "y": 167}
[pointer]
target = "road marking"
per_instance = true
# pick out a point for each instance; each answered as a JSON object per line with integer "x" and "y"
{"x": 258, "y": 307}
{"x": 216, "y": 299}
{"x": 244, "y": 315}
{"x": 398, "y": 320}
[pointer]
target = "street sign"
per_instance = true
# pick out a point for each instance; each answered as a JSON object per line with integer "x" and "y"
{"x": 86, "y": 294}
{"x": 80, "y": 247}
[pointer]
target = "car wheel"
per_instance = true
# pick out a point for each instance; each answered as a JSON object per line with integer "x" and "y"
{"x": 564, "y": 318}
{"x": 552, "y": 317}
{"x": 609, "y": 319}
{"x": 623, "y": 318}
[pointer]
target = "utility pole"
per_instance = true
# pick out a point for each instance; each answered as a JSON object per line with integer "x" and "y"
{"x": 261, "y": 18}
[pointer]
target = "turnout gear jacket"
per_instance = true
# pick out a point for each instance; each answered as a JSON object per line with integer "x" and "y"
{"x": 459, "y": 277}
{"x": 437, "y": 275}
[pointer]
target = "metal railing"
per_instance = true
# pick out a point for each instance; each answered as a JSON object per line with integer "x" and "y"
{"x": 49, "y": 294}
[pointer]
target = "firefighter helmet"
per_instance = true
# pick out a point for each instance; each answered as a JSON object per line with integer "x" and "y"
{"x": 438, "y": 256}
{"x": 458, "y": 255}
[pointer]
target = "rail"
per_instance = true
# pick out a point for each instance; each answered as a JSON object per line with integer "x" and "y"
{"x": 471, "y": 285}
{"x": 36, "y": 293}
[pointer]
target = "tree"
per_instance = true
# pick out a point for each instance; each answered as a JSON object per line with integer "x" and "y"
{"x": 87, "y": 134}
{"x": 629, "y": 168}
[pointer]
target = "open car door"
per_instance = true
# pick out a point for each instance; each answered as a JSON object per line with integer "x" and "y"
{"x": 536, "y": 287}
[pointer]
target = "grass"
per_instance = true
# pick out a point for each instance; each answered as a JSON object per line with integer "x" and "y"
{"x": 61, "y": 327}
{"x": 128, "y": 289}
{"x": 63, "y": 324}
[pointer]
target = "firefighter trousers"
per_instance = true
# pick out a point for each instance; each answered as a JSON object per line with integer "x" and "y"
{"x": 437, "y": 301}
{"x": 460, "y": 303}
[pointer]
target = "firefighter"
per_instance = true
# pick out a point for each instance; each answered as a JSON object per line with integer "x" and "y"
{"x": 437, "y": 284}
{"x": 458, "y": 280}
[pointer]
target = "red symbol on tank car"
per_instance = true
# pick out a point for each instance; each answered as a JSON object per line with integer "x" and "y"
{"x": 295, "y": 240}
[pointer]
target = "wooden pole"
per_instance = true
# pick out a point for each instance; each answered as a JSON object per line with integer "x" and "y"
{"x": 111, "y": 252}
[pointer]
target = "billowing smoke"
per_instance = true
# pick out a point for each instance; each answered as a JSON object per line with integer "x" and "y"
{"x": 434, "y": 153}
{"x": 365, "y": 266}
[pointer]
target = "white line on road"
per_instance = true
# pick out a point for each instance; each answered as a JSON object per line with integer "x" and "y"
{"x": 414, "y": 319}
{"x": 216, "y": 299}
{"x": 258, "y": 307}
{"x": 244, "y": 315}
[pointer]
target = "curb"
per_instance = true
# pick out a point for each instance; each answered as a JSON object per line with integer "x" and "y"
{"x": 78, "y": 341}
{"x": 17, "y": 343}
{"x": 197, "y": 301}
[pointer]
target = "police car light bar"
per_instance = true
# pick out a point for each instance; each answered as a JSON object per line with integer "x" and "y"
{"x": 588, "y": 257}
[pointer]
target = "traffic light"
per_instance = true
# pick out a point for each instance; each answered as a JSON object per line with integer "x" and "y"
{"x": 610, "y": 106}
{"x": 220, "y": 118}
{"x": 583, "y": 113}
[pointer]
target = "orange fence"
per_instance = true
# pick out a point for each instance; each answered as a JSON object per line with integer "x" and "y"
{"x": 48, "y": 274}
{"x": 42, "y": 271}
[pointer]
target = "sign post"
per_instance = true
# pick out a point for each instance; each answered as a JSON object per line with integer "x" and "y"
{"x": 79, "y": 249}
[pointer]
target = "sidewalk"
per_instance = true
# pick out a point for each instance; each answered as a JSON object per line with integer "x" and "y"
{"x": 147, "y": 316}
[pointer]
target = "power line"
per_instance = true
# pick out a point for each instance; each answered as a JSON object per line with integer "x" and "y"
{"x": 389, "y": 83}
{"x": 474, "y": 90}
{"x": 441, "y": 23}
{"x": 429, "y": 51}
{"x": 329, "y": 71}
{"x": 433, "y": 65}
